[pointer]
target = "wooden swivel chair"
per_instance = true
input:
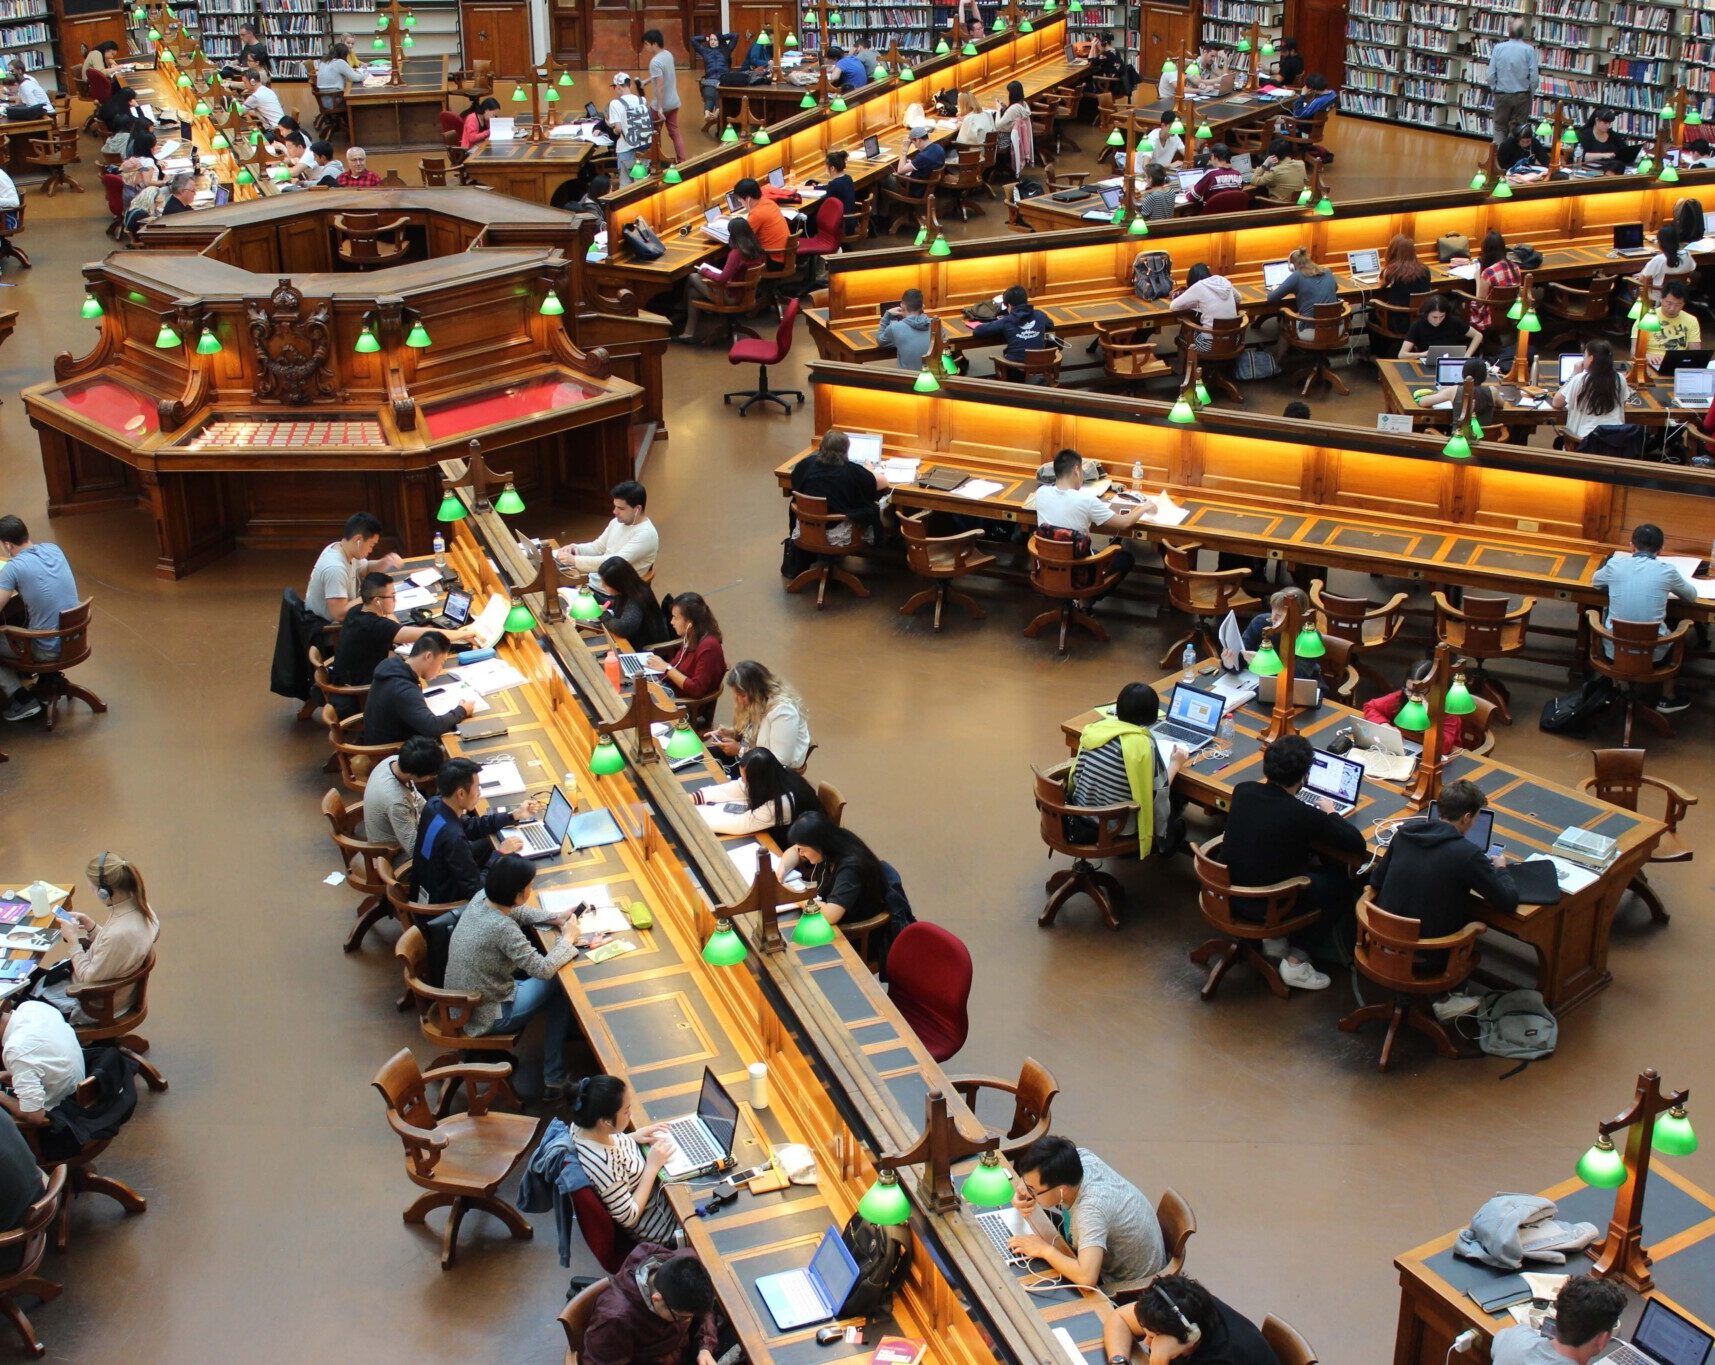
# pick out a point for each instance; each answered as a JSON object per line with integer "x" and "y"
{"x": 962, "y": 179}
{"x": 941, "y": 559}
{"x": 1054, "y": 808}
{"x": 354, "y": 760}
{"x": 432, "y": 170}
{"x": 363, "y": 242}
{"x": 345, "y": 700}
{"x": 1577, "y": 313}
{"x": 815, "y": 531}
{"x": 1339, "y": 673}
{"x": 361, "y": 859}
{"x": 1032, "y": 1102}
{"x": 475, "y": 80}
{"x": 736, "y": 301}
{"x": 1072, "y": 580}
{"x": 53, "y": 154}
{"x": 444, "y": 1016}
{"x": 332, "y": 116}
{"x": 1331, "y": 330}
{"x": 28, "y": 1242}
{"x": 459, "y": 1161}
{"x": 1288, "y": 1346}
{"x": 908, "y": 198}
{"x": 575, "y": 1317}
{"x": 1389, "y": 952}
{"x": 116, "y": 1010}
{"x": 1226, "y": 343}
{"x": 779, "y": 277}
{"x": 8, "y": 247}
{"x": 1625, "y": 653}
{"x": 1205, "y": 595}
{"x": 1484, "y": 628}
{"x": 409, "y": 914}
{"x": 1476, "y": 735}
{"x": 1041, "y": 366}
{"x": 52, "y": 684}
{"x": 79, "y": 1166}
{"x": 1619, "y": 780}
{"x": 1242, "y": 938}
{"x": 1178, "y": 1226}
{"x": 1359, "y": 622}
{"x": 832, "y": 803}
{"x": 1128, "y": 355}
{"x": 929, "y": 982}
{"x": 854, "y": 230}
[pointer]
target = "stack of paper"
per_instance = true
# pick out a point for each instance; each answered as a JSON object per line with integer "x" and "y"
{"x": 1167, "y": 512}
{"x": 899, "y": 469}
{"x": 426, "y": 578}
{"x": 448, "y": 697}
{"x": 409, "y": 599}
{"x": 490, "y": 624}
{"x": 500, "y": 777}
{"x": 501, "y": 129}
{"x": 977, "y": 489}
{"x": 488, "y": 676}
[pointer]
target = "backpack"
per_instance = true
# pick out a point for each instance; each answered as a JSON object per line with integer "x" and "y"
{"x": 639, "y": 122}
{"x": 1525, "y": 257}
{"x": 1152, "y": 275}
{"x": 1255, "y": 363}
{"x": 642, "y": 240}
{"x": 1688, "y": 218}
{"x": 1516, "y": 1024}
{"x": 899, "y": 912}
{"x": 883, "y": 1256}
{"x": 1571, "y": 713}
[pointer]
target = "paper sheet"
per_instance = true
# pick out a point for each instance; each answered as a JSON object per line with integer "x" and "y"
{"x": 977, "y": 489}
{"x": 1705, "y": 587}
{"x": 1167, "y": 512}
{"x": 488, "y": 676}
{"x": 409, "y": 599}
{"x": 426, "y": 578}
{"x": 490, "y": 623}
{"x": 448, "y": 697}
{"x": 501, "y": 129}
{"x": 1686, "y": 564}
{"x": 500, "y": 777}
{"x": 900, "y": 470}
{"x": 745, "y": 859}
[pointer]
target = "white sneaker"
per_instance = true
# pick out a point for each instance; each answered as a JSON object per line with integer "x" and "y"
{"x": 1303, "y": 975}
{"x": 1453, "y": 1006}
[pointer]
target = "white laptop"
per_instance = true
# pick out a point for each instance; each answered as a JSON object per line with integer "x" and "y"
{"x": 865, "y": 446}
{"x": 1693, "y": 388}
{"x": 777, "y": 178}
{"x": 1569, "y": 363}
{"x": 544, "y": 838}
{"x": 796, "y": 1298}
{"x": 1274, "y": 273}
{"x": 1662, "y": 1337}
{"x": 872, "y": 149}
{"x": 1305, "y": 691}
{"x": 1367, "y": 734}
{"x": 1364, "y": 265}
{"x": 1338, "y": 779}
{"x": 716, "y": 223}
{"x": 631, "y": 665}
{"x": 1000, "y": 1226}
{"x": 1242, "y": 164}
{"x": 704, "y": 1139}
{"x": 1193, "y": 718}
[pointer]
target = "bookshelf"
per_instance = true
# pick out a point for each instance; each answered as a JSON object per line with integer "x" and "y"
{"x": 1227, "y": 22}
{"x": 915, "y": 27}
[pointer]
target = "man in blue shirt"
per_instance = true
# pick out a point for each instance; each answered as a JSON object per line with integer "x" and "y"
{"x": 1514, "y": 74}
{"x": 851, "y": 69}
{"x": 920, "y": 160}
{"x": 1638, "y": 586}
{"x": 40, "y": 575}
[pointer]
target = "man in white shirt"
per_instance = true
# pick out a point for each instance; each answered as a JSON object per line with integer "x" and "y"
{"x": 23, "y": 88}
{"x": 262, "y": 101}
{"x": 630, "y": 535}
{"x": 41, "y": 1052}
{"x": 9, "y": 201}
{"x": 1065, "y": 505}
{"x": 341, "y": 566}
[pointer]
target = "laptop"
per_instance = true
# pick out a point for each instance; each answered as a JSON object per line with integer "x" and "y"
{"x": 865, "y": 446}
{"x": 1274, "y": 273}
{"x": 796, "y": 1298}
{"x": 1450, "y": 369}
{"x": 455, "y": 611}
{"x": 1188, "y": 180}
{"x": 1662, "y": 1337}
{"x": 590, "y": 111}
{"x": 1193, "y": 717}
{"x": 543, "y": 838}
{"x": 1693, "y": 388}
{"x": 1338, "y": 779}
{"x": 1629, "y": 240}
{"x": 1305, "y": 691}
{"x": 1482, "y": 831}
{"x": 1000, "y": 1226}
{"x": 871, "y": 148}
{"x": 1570, "y": 363}
{"x": 777, "y": 178}
{"x": 704, "y": 1138}
{"x": 1364, "y": 265}
{"x": 1433, "y": 357}
{"x": 1242, "y": 163}
{"x": 716, "y": 223}
{"x": 1674, "y": 361}
{"x": 1370, "y": 735}
{"x": 631, "y": 665}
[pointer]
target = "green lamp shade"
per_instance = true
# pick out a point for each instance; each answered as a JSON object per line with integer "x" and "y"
{"x": 451, "y": 509}
{"x": 1177, "y": 128}
{"x": 418, "y": 337}
{"x": 759, "y": 137}
{"x": 1693, "y": 117}
{"x": 907, "y": 74}
{"x": 366, "y": 343}
{"x": 1460, "y": 702}
{"x": 837, "y": 104}
{"x": 1309, "y": 644}
{"x": 1636, "y": 311}
{"x": 940, "y": 247}
{"x": 91, "y": 306}
{"x": 764, "y": 39}
{"x": 1668, "y": 112}
{"x": 808, "y": 102}
{"x": 1673, "y": 1132}
{"x": 1479, "y": 180}
{"x": 1503, "y": 189}
{"x": 378, "y": 44}
{"x": 1076, "y": 7}
{"x": 1268, "y": 47}
{"x": 833, "y": 18}
{"x": 1602, "y": 1166}
{"x": 1413, "y": 716}
{"x": 1516, "y": 311}
{"x": 1645, "y": 165}
{"x": 1669, "y": 175}
{"x": 1181, "y": 412}
{"x": 166, "y": 338}
{"x": 606, "y": 758}
{"x": 1139, "y": 226}
{"x": 1168, "y": 67}
{"x": 1205, "y": 132}
{"x": 1650, "y": 322}
{"x": 139, "y": 14}
{"x": 730, "y": 135}
{"x": 1265, "y": 663}
{"x": 885, "y": 1204}
{"x": 184, "y": 82}
{"x": 549, "y": 96}
{"x": 1476, "y": 429}
{"x": 881, "y": 72}
{"x": 1568, "y": 137}
{"x": 1116, "y": 138}
{"x": 941, "y": 48}
{"x": 724, "y": 948}
{"x": 219, "y": 142}
{"x": 1200, "y": 391}
{"x": 1048, "y": 6}
{"x": 812, "y": 929}
{"x": 1304, "y": 197}
{"x": 551, "y": 307}
{"x": 1530, "y": 322}
{"x": 926, "y": 381}
{"x": 509, "y": 503}
{"x": 949, "y": 364}
{"x": 999, "y": 25}
{"x": 584, "y": 606}
{"x": 154, "y": 34}
{"x": 1244, "y": 45}
{"x": 1193, "y": 71}
{"x": 280, "y": 174}
{"x": 921, "y": 237}
{"x": 791, "y": 40}
{"x": 989, "y": 1186}
{"x": 381, "y": 22}
{"x": 244, "y": 177}
{"x": 1458, "y": 447}
{"x": 1325, "y": 207}
{"x": 519, "y": 618}
{"x": 208, "y": 343}
{"x": 1544, "y": 131}
{"x": 565, "y": 81}
{"x": 202, "y": 110}
{"x": 969, "y": 49}
{"x": 518, "y": 95}
{"x": 683, "y": 743}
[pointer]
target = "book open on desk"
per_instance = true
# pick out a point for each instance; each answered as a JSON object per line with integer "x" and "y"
{"x": 1167, "y": 512}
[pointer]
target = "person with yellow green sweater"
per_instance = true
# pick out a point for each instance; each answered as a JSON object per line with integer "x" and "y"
{"x": 1118, "y": 762}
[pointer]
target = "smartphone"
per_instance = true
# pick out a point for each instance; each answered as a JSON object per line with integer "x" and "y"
{"x": 740, "y": 1177}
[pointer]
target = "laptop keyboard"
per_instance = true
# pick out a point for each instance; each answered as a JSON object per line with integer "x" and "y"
{"x": 693, "y": 1143}
{"x": 1310, "y": 798}
{"x": 802, "y": 1300}
{"x": 1182, "y": 733}
{"x": 1627, "y": 1354}
{"x": 534, "y": 836}
{"x": 630, "y": 665}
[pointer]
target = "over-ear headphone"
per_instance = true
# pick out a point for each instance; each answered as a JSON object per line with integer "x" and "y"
{"x": 101, "y": 889}
{"x": 1194, "y": 1333}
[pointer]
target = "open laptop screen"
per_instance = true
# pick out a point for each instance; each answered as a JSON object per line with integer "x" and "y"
{"x": 1693, "y": 388}
{"x": 1194, "y": 707}
{"x": 717, "y": 1109}
{"x": 1274, "y": 273}
{"x": 865, "y": 446}
{"x": 1569, "y": 364}
{"x": 1334, "y": 777}
{"x": 558, "y": 817}
{"x": 1450, "y": 369}
{"x": 777, "y": 178}
{"x": 1482, "y": 829}
{"x": 833, "y": 1268}
{"x": 1188, "y": 180}
{"x": 1364, "y": 262}
{"x": 1664, "y": 1335}
{"x": 1628, "y": 236}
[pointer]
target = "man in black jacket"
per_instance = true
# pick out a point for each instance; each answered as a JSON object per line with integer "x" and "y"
{"x": 368, "y": 636}
{"x": 395, "y": 709}
{"x": 1023, "y": 327}
{"x": 1431, "y": 869}
{"x": 453, "y": 843}
{"x": 1272, "y": 836}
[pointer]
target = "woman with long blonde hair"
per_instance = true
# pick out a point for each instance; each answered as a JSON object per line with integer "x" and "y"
{"x": 108, "y": 951}
{"x": 767, "y": 714}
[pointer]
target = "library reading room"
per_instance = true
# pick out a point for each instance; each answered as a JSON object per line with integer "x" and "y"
{"x": 854, "y": 503}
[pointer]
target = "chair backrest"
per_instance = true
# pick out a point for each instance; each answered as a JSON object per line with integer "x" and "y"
{"x": 1033, "y": 1101}
{"x": 855, "y": 227}
{"x": 364, "y": 237}
{"x": 1226, "y": 339}
{"x": 1594, "y": 300}
{"x": 28, "y": 1242}
{"x": 1042, "y": 363}
{"x": 814, "y": 524}
{"x": 113, "y": 186}
{"x": 1331, "y": 323}
{"x": 1124, "y": 351}
{"x": 832, "y": 802}
{"x": 1619, "y": 776}
{"x": 1216, "y": 894}
{"x": 1053, "y": 806}
{"x": 788, "y": 264}
{"x": 1178, "y": 1224}
{"x": 1289, "y": 1348}
{"x": 1634, "y": 645}
{"x": 400, "y": 1083}
{"x": 452, "y": 125}
{"x": 1487, "y": 632}
{"x": 1389, "y": 946}
{"x": 1058, "y": 571}
{"x": 1475, "y": 734}
{"x": 114, "y": 1007}
{"x": 783, "y": 333}
{"x": 445, "y": 1012}
{"x": 929, "y": 980}
{"x": 1227, "y": 201}
{"x": 433, "y": 169}
{"x": 830, "y": 218}
{"x": 575, "y": 1316}
{"x": 1194, "y": 591}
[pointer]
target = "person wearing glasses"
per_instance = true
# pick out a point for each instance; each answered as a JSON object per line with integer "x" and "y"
{"x": 660, "y": 1306}
{"x": 371, "y": 633}
{"x": 1106, "y": 1231}
{"x": 1177, "y": 1319}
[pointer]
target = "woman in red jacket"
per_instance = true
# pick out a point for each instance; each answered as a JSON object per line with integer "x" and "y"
{"x": 699, "y": 663}
{"x": 1382, "y": 710}
{"x": 744, "y": 256}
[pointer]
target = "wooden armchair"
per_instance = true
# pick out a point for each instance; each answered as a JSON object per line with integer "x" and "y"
{"x": 460, "y": 1161}
{"x": 1627, "y": 652}
{"x": 362, "y": 859}
{"x": 829, "y": 795}
{"x": 52, "y": 684}
{"x": 1392, "y": 952}
{"x": 363, "y": 242}
{"x": 903, "y": 199}
{"x": 1304, "y": 136}
{"x": 854, "y": 229}
{"x": 476, "y": 79}
{"x": 432, "y": 170}
{"x": 815, "y": 530}
{"x": 1110, "y": 840}
{"x": 443, "y": 1016}
{"x": 1237, "y": 938}
{"x": 1215, "y": 360}
{"x": 736, "y": 300}
{"x": 778, "y": 279}
{"x": 410, "y": 914}
{"x": 1074, "y": 581}
{"x": 332, "y": 116}
{"x": 344, "y": 700}
{"x": 354, "y": 760}
{"x": 1178, "y": 1226}
{"x": 1475, "y": 733}
{"x": 941, "y": 559}
{"x": 1356, "y": 620}
{"x": 1032, "y": 1102}
{"x": 1389, "y": 322}
{"x": 1620, "y": 780}
{"x": 1288, "y": 1346}
{"x": 28, "y": 1243}
{"x": 81, "y": 1177}
{"x": 53, "y": 154}
{"x": 1484, "y": 628}
{"x": 1040, "y": 366}
{"x": 575, "y": 1316}
{"x": 1205, "y": 595}
{"x": 1578, "y": 313}
{"x": 1330, "y": 327}
{"x": 963, "y": 178}
{"x": 8, "y": 247}
{"x": 1128, "y": 354}
{"x": 117, "y": 1008}
{"x": 1339, "y": 673}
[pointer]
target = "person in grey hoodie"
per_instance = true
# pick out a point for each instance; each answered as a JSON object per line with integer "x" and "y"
{"x": 1432, "y": 869}
{"x": 907, "y": 328}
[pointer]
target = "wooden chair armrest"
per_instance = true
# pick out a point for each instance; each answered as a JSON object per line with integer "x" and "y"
{"x": 483, "y": 1081}
{"x": 966, "y": 555}
{"x": 1468, "y": 934}
{"x": 1297, "y": 317}
{"x": 1677, "y": 634}
{"x": 1348, "y": 688}
{"x": 1106, "y": 556}
{"x": 1389, "y": 607}
{"x": 1256, "y": 893}
{"x": 1518, "y": 613}
{"x": 364, "y": 847}
{"x": 1222, "y": 575}
{"x": 975, "y": 533}
{"x": 1124, "y": 808}
{"x": 967, "y": 1086}
{"x": 1679, "y": 795}
{"x": 20, "y": 633}
{"x": 1593, "y": 618}
{"x": 415, "y": 1136}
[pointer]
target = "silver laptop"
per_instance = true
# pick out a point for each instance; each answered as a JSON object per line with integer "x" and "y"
{"x": 1364, "y": 265}
{"x": 1000, "y": 1226}
{"x": 1662, "y": 1337}
{"x": 1274, "y": 273}
{"x": 1242, "y": 163}
{"x": 530, "y": 549}
{"x": 1338, "y": 779}
{"x": 1629, "y": 240}
{"x": 704, "y": 1138}
{"x": 1188, "y": 180}
{"x": 796, "y": 1298}
{"x": 1305, "y": 691}
{"x": 1693, "y": 388}
{"x": 631, "y": 665}
{"x": 1193, "y": 717}
{"x": 1433, "y": 357}
{"x": 1368, "y": 734}
{"x": 777, "y": 178}
{"x": 1450, "y": 370}
{"x": 871, "y": 149}
{"x": 543, "y": 838}
{"x": 865, "y": 446}
{"x": 716, "y": 224}
{"x": 1569, "y": 364}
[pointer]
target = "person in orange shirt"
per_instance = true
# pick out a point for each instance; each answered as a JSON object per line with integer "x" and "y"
{"x": 765, "y": 218}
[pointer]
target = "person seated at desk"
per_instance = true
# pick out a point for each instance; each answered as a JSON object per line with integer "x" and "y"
{"x": 453, "y": 843}
{"x": 849, "y": 880}
{"x": 765, "y": 218}
{"x": 1220, "y": 176}
{"x": 1211, "y": 297}
{"x": 1639, "y": 585}
{"x": 1168, "y": 151}
{"x": 40, "y": 574}
{"x": 590, "y": 200}
{"x": 1289, "y": 66}
{"x": 1381, "y": 710}
{"x": 393, "y": 797}
{"x": 626, "y": 1179}
{"x": 318, "y": 165}
{"x": 1283, "y": 175}
{"x": 1272, "y": 837}
{"x": 1402, "y": 273}
{"x": 1308, "y": 285}
{"x": 908, "y": 329}
{"x": 1431, "y": 870}
{"x": 1671, "y": 261}
{"x": 921, "y": 159}
{"x": 658, "y": 1310}
{"x": 490, "y": 956}
{"x": 21, "y": 1184}
{"x": 698, "y": 662}
{"x": 1438, "y": 324}
{"x": 744, "y": 254}
{"x": 396, "y": 709}
{"x": 1177, "y": 1319}
{"x": 23, "y": 88}
{"x": 840, "y": 185}
{"x": 630, "y": 534}
{"x": 140, "y": 169}
{"x": 118, "y": 144}
{"x": 335, "y": 75}
{"x": 1257, "y": 627}
{"x": 975, "y": 122}
{"x": 852, "y": 491}
{"x": 851, "y": 71}
{"x": 1521, "y": 158}
{"x": 1679, "y": 331}
{"x": 41, "y": 1055}
{"x": 103, "y": 57}
{"x": 1495, "y": 270}
{"x": 765, "y": 798}
{"x": 1118, "y": 762}
{"x": 1158, "y": 201}
{"x": 1697, "y": 155}
{"x": 1316, "y": 99}
{"x": 260, "y": 100}
{"x": 102, "y": 952}
{"x": 181, "y": 195}
{"x": 1600, "y": 147}
{"x": 1066, "y": 506}
{"x": 1107, "y": 1232}
{"x": 357, "y": 175}
{"x": 1485, "y": 403}
{"x": 1021, "y": 326}
{"x": 341, "y": 566}
{"x": 766, "y": 714}
{"x": 287, "y": 141}
{"x": 1596, "y": 395}
{"x": 474, "y": 130}
{"x": 631, "y": 611}
{"x": 369, "y": 635}
{"x": 1011, "y": 110}
{"x": 1586, "y": 1313}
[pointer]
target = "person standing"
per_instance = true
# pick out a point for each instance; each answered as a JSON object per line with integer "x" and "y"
{"x": 1513, "y": 78}
{"x": 664, "y": 87}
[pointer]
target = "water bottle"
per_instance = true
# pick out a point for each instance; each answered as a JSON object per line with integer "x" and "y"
{"x": 1229, "y": 729}
{"x": 1137, "y": 476}
{"x": 1189, "y": 661}
{"x": 440, "y": 551}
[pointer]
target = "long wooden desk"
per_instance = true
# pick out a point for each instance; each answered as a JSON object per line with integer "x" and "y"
{"x": 546, "y": 172}
{"x": 405, "y": 117}
{"x": 847, "y": 1075}
{"x": 774, "y": 102}
{"x": 1651, "y": 405}
{"x": 1434, "y": 1285}
{"x": 1569, "y": 939}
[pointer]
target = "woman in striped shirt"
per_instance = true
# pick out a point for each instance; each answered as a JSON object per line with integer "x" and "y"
{"x": 624, "y": 1175}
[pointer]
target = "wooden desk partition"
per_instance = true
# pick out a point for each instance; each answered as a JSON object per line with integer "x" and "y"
{"x": 847, "y": 1075}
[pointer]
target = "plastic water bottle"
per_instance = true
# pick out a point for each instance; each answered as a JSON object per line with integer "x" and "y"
{"x": 1189, "y": 661}
{"x": 440, "y": 551}
{"x": 1137, "y": 476}
{"x": 1229, "y": 729}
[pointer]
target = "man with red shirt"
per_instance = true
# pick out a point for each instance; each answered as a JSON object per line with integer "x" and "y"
{"x": 766, "y": 220}
{"x": 1221, "y": 175}
{"x": 357, "y": 175}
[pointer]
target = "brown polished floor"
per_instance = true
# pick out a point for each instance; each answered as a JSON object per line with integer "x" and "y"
{"x": 275, "y": 1187}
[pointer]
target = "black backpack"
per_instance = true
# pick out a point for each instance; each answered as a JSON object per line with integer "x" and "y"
{"x": 899, "y": 912}
{"x": 1152, "y": 275}
{"x": 1572, "y": 713}
{"x": 883, "y": 1255}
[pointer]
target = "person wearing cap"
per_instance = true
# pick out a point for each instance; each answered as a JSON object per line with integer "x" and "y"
{"x": 920, "y": 160}
{"x": 765, "y": 218}
{"x": 852, "y": 72}
{"x": 628, "y": 97}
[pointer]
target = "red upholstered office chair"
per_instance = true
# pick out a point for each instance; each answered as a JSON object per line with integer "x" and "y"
{"x": 825, "y": 235}
{"x": 762, "y": 353}
{"x": 609, "y": 1243}
{"x": 114, "y": 188}
{"x": 1226, "y": 201}
{"x": 929, "y": 982}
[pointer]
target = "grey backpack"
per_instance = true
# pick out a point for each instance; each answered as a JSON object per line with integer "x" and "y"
{"x": 1516, "y": 1024}
{"x": 1152, "y": 275}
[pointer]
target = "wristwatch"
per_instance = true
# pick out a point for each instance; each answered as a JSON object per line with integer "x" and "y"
{"x": 1117, "y": 1359}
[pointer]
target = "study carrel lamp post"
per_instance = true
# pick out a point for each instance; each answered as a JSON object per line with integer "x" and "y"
{"x": 1654, "y": 1120}
{"x": 642, "y": 712}
{"x": 724, "y": 947}
{"x": 942, "y": 1143}
{"x": 1443, "y": 695}
{"x": 1523, "y": 312}
{"x": 1296, "y": 637}
{"x": 477, "y": 477}
{"x": 393, "y": 25}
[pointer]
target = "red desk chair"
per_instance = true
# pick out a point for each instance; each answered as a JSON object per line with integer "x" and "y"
{"x": 114, "y": 188}
{"x": 1226, "y": 201}
{"x": 826, "y": 233}
{"x": 762, "y": 353}
{"x": 929, "y": 982}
